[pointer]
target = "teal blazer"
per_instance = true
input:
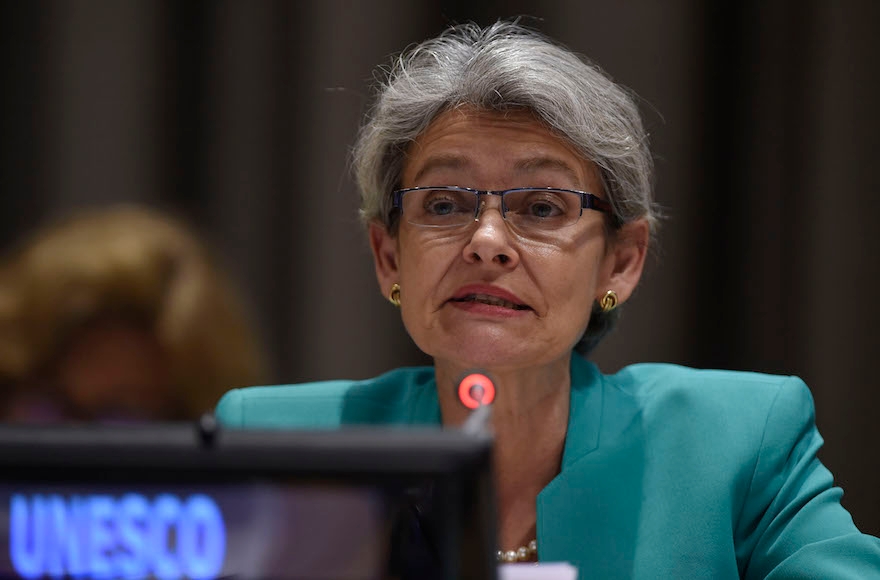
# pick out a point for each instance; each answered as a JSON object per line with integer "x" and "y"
{"x": 667, "y": 472}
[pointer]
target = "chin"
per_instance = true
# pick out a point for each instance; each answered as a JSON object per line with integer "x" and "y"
{"x": 485, "y": 353}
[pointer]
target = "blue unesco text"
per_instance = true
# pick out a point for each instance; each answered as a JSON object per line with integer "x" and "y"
{"x": 99, "y": 536}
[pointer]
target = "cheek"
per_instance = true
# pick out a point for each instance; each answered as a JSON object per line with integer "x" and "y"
{"x": 424, "y": 266}
{"x": 567, "y": 271}
{"x": 419, "y": 277}
{"x": 424, "y": 263}
{"x": 577, "y": 303}
{"x": 570, "y": 286}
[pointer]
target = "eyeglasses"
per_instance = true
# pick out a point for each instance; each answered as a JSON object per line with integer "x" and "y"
{"x": 529, "y": 209}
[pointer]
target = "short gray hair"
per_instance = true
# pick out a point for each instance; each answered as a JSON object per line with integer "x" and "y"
{"x": 505, "y": 67}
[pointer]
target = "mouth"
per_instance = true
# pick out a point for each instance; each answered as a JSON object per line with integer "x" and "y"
{"x": 491, "y": 301}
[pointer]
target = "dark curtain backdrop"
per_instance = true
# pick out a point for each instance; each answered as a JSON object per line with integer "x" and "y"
{"x": 240, "y": 117}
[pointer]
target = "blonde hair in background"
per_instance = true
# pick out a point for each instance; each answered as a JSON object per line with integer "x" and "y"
{"x": 130, "y": 263}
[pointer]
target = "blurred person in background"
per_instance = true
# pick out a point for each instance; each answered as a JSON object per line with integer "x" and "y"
{"x": 119, "y": 315}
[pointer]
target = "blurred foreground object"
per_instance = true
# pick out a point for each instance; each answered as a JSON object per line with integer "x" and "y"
{"x": 119, "y": 314}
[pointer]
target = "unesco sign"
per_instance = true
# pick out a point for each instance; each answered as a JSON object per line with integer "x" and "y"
{"x": 101, "y": 536}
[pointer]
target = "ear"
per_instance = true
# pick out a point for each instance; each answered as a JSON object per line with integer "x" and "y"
{"x": 385, "y": 259}
{"x": 625, "y": 259}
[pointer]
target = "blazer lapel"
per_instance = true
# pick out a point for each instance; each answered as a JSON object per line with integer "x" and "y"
{"x": 592, "y": 508}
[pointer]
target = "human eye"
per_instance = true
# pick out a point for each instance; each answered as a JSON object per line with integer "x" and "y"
{"x": 442, "y": 206}
{"x": 540, "y": 204}
{"x": 439, "y": 206}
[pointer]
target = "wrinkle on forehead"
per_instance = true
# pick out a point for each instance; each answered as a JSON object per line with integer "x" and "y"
{"x": 528, "y": 147}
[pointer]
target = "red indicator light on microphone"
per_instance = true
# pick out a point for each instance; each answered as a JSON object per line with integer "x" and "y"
{"x": 475, "y": 390}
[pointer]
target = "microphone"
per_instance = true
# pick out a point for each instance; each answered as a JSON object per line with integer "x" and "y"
{"x": 476, "y": 391}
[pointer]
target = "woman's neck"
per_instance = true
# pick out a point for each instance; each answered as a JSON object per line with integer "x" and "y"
{"x": 529, "y": 423}
{"x": 522, "y": 394}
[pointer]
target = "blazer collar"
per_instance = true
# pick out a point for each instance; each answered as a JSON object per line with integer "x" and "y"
{"x": 585, "y": 411}
{"x": 589, "y": 513}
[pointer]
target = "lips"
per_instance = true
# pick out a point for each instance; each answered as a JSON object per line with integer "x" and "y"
{"x": 490, "y": 296}
{"x": 491, "y": 301}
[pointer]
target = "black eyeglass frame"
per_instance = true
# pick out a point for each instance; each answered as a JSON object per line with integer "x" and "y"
{"x": 588, "y": 200}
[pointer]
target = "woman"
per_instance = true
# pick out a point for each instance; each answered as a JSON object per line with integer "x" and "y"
{"x": 507, "y": 190}
{"x": 118, "y": 314}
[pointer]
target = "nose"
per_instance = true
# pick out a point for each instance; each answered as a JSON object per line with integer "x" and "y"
{"x": 491, "y": 241}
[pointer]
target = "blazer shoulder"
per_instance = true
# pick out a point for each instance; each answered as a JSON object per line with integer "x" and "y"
{"x": 660, "y": 380}
{"x": 302, "y": 405}
{"x": 742, "y": 400}
{"x": 325, "y": 404}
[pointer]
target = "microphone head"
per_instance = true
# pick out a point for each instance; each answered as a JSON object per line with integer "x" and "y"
{"x": 476, "y": 390}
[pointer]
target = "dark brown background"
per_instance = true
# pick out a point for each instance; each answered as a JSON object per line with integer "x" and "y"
{"x": 240, "y": 116}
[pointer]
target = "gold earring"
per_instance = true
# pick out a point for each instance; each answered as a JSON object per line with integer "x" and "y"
{"x": 394, "y": 295}
{"x": 609, "y": 301}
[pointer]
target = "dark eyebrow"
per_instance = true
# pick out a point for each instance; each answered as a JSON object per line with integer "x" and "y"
{"x": 537, "y": 163}
{"x": 445, "y": 161}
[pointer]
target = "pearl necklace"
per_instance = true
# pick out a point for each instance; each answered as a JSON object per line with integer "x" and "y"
{"x": 521, "y": 554}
